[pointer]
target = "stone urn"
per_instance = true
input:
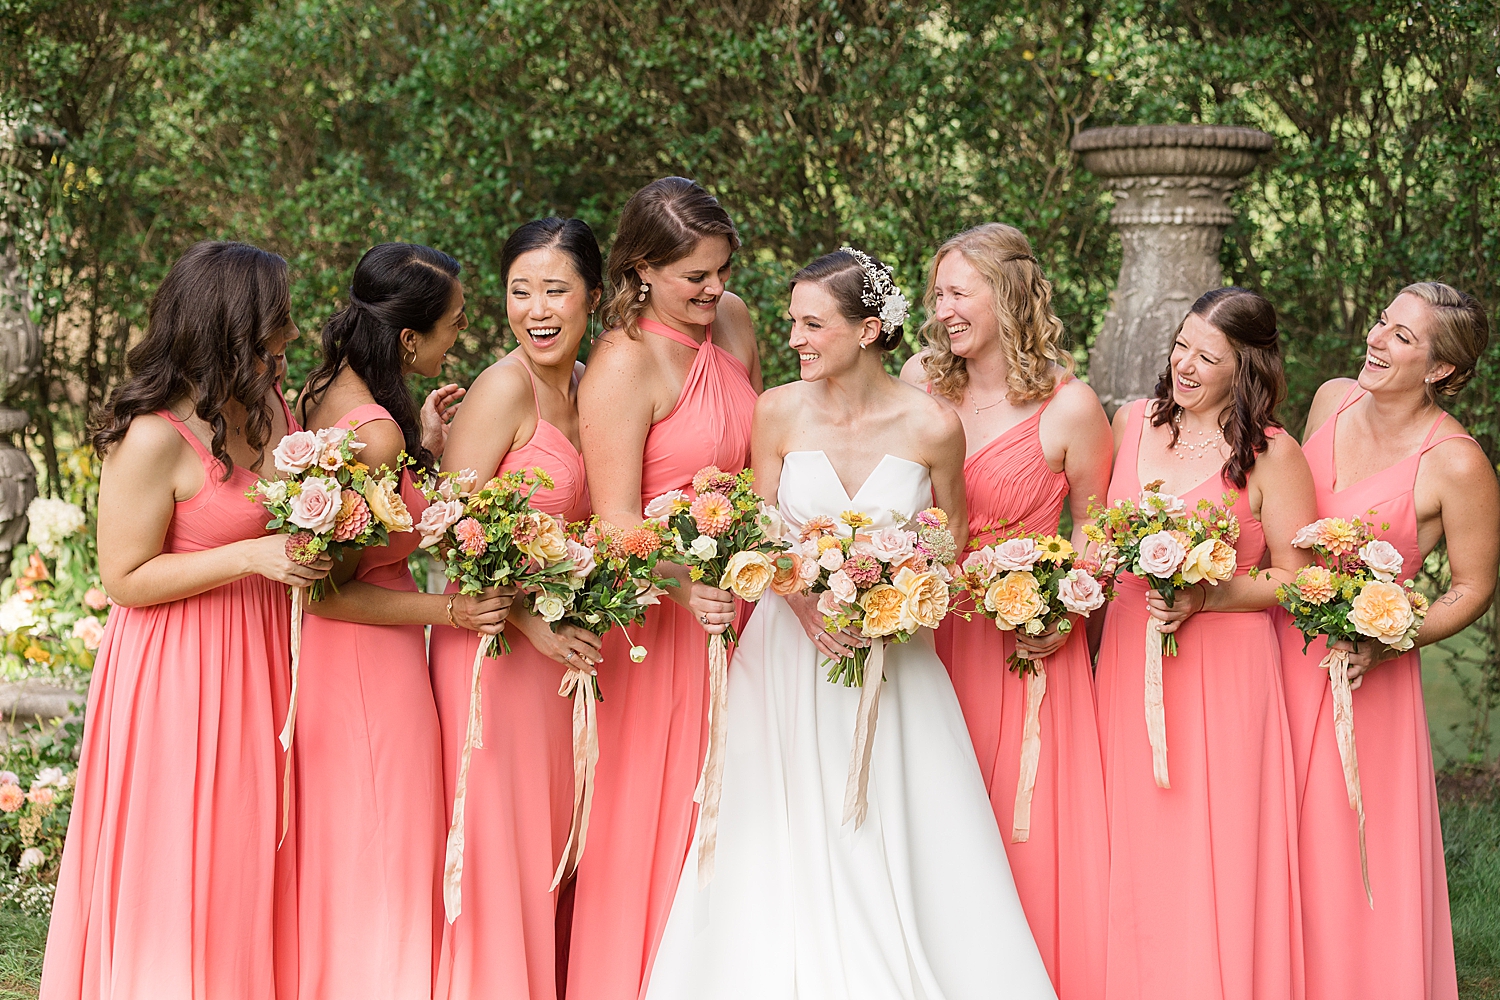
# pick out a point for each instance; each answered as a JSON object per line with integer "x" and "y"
{"x": 1171, "y": 185}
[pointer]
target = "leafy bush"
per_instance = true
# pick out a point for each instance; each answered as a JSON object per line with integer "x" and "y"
{"x": 36, "y": 798}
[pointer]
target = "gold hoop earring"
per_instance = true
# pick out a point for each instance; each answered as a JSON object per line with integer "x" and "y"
{"x": 408, "y": 358}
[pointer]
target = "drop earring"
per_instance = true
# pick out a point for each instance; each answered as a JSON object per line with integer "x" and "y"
{"x": 645, "y": 291}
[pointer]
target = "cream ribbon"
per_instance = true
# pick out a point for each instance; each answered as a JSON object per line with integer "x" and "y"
{"x": 856, "y": 789}
{"x": 1337, "y": 665}
{"x": 583, "y": 687}
{"x": 711, "y": 781}
{"x": 1031, "y": 751}
{"x": 299, "y": 599}
{"x": 1156, "y": 713}
{"x": 453, "y": 860}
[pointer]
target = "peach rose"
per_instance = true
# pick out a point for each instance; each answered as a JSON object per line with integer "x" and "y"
{"x": 1315, "y": 584}
{"x": 1381, "y": 611}
{"x": 747, "y": 575}
{"x": 41, "y": 795}
{"x": 983, "y": 564}
{"x": 1212, "y": 560}
{"x": 384, "y": 498}
{"x": 550, "y": 544}
{"x": 841, "y": 585}
{"x": 1307, "y": 537}
{"x": 883, "y": 606}
{"x": 96, "y": 598}
{"x": 11, "y": 798}
{"x": 670, "y": 502}
{"x": 829, "y": 606}
{"x": 1161, "y": 554}
{"x": 316, "y": 507}
{"x": 90, "y": 630}
{"x": 297, "y": 452}
{"x": 926, "y": 599}
{"x": 582, "y": 558}
{"x": 1015, "y": 599}
{"x": 437, "y": 519}
{"x": 787, "y": 579}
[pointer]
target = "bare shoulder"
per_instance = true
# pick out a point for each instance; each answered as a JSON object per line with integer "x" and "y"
{"x": 1460, "y": 463}
{"x": 936, "y": 423}
{"x": 1076, "y": 401}
{"x": 616, "y": 358}
{"x": 500, "y": 386}
{"x": 914, "y": 372}
{"x": 1327, "y": 399}
{"x": 732, "y": 319}
{"x": 150, "y": 440}
{"x": 1282, "y": 454}
{"x": 780, "y": 404}
{"x": 383, "y": 442}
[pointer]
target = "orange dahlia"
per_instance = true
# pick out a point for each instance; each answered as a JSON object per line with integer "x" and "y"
{"x": 713, "y": 513}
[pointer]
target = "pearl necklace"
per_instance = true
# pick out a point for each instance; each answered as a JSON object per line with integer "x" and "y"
{"x": 1188, "y": 452}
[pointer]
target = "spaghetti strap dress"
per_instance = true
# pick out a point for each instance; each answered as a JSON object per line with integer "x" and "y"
{"x": 171, "y": 881}
{"x": 369, "y": 791}
{"x": 653, "y": 722}
{"x": 1061, "y": 869}
{"x": 1403, "y": 947}
{"x": 519, "y": 799}
{"x": 1203, "y": 891}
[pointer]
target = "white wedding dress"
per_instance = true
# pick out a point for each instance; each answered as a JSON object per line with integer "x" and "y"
{"x": 916, "y": 904}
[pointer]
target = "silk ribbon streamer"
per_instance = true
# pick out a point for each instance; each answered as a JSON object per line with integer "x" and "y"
{"x": 1031, "y": 751}
{"x": 856, "y": 789}
{"x": 583, "y": 687}
{"x": 299, "y": 599}
{"x": 1156, "y": 712}
{"x": 453, "y": 859}
{"x": 711, "y": 781}
{"x": 1337, "y": 665}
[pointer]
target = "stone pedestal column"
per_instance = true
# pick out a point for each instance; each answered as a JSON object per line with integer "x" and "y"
{"x": 1171, "y": 185}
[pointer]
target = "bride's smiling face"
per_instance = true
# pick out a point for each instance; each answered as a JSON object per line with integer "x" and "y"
{"x": 826, "y": 342}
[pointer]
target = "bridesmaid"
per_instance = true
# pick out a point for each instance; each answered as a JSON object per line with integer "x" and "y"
{"x": 170, "y": 874}
{"x": 1424, "y": 347}
{"x": 672, "y": 391}
{"x": 1035, "y": 435}
{"x": 1203, "y": 897}
{"x": 521, "y": 412}
{"x": 369, "y": 816}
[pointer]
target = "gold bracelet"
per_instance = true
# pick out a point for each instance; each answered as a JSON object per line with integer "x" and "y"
{"x": 453, "y": 597}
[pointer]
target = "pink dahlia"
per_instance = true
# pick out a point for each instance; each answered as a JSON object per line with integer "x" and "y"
{"x": 470, "y": 535}
{"x": 713, "y": 513}
{"x": 353, "y": 519}
{"x": 299, "y": 548}
{"x": 712, "y": 479}
{"x": 864, "y": 570}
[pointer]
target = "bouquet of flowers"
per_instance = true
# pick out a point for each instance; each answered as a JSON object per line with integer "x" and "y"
{"x": 329, "y": 501}
{"x": 1159, "y": 540}
{"x": 1351, "y": 594}
{"x": 724, "y": 533}
{"x": 887, "y": 582}
{"x": 1030, "y": 584}
{"x": 612, "y": 579}
{"x": 487, "y": 536}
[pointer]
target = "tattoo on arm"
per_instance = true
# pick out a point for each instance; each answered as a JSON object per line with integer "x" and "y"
{"x": 1451, "y": 597}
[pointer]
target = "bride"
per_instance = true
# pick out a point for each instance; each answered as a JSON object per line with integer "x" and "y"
{"x": 916, "y": 902}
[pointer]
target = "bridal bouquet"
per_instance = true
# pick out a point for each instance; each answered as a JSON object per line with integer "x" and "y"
{"x": 1030, "y": 584}
{"x": 331, "y": 502}
{"x": 727, "y": 534}
{"x": 1159, "y": 540}
{"x": 887, "y": 583}
{"x": 487, "y": 536}
{"x": 1351, "y": 594}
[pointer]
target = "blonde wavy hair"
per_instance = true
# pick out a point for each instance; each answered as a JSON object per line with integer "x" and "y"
{"x": 1031, "y": 335}
{"x": 1460, "y": 332}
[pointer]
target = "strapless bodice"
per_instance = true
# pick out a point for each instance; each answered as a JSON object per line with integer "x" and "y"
{"x": 894, "y": 491}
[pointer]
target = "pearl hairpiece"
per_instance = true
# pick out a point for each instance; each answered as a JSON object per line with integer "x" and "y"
{"x": 879, "y": 290}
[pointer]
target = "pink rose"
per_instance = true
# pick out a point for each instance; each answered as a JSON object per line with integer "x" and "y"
{"x": 90, "y": 630}
{"x": 437, "y": 519}
{"x": 667, "y": 503}
{"x": 892, "y": 545}
{"x": 829, "y": 606}
{"x": 1382, "y": 558}
{"x": 96, "y": 598}
{"x": 1080, "y": 593}
{"x": 1017, "y": 554}
{"x": 41, "y": 795}
{"x": 983, "y": 564}
{"x": 1307, "y": 538}
{"x": 841, "y": 585}
{"x": 831, "y": 558}
{"x": 11, "y": 797}
{"x": 582, "y": 558}
{"x": 1161, "y": 554}
{"x": 316, "y": 507}
{"x": 297, "y": 452}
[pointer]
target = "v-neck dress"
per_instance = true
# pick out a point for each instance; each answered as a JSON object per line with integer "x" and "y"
{"x": 1404, "y": 946}
{"x": 1203, "y": 890}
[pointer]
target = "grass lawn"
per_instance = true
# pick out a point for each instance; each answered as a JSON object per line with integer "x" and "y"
{"x": 21, "y": 941}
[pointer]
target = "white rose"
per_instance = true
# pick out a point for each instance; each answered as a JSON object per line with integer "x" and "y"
{"x": 771, "y": 522}
{"x": 1161, "y": 554}
{"x": 52, "y": 520}
{"x": 703, "y": 548}
{"x": 665, "y": 504}
{"x": 1382, "y": 558}
{"x": 31, "y": 858}
{"x": 437, "y": 519}
{"x": 1167, "y": 503}
{"x": 637, "y": 654}
{"x": 271, "y": 490}
{"x": 550, "y": 607}
{"x": 1080, "y": 593}
{"x": 48, "y": 776}
{"x": 1307, "y": 537}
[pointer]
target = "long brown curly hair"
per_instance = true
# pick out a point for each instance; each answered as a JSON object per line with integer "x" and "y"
{"x": 206, "y": 334}
{"x": 1248, "y": 322}
{"x": 1031, "y": 335}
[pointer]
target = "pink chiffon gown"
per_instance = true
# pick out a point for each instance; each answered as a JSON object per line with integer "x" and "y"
{"x": 369, "y": 792}
{"x": 1404, "y": 946}
{"x": 1061, "y": 870}
{"x": 1203, "y": 893}
{"x": 653, "y": 722}
{"x": 519, "y": 802}
{"x": 171, "y": 880}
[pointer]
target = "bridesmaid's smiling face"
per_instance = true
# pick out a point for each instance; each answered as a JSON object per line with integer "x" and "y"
{"x": 826, "y": 342}
{"x": 966, "y": 307}
{"x": 425, "y": 353}
{"x": 686, "y": 292}
{"x": 1203, "y": 365}
{"x": 548, "y": 304}
{"x": 1398, "y": 350}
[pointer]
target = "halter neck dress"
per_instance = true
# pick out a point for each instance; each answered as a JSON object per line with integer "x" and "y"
{"x": 1404, "y": 946}
{"x": 369, "y": 790}
{"x": 171, "y": 885}
{"x": 1203, "y": 894}
{"x": 519, "y": 801}
{"x": 653, "y": 722}
{"x": 1061, "y": 870}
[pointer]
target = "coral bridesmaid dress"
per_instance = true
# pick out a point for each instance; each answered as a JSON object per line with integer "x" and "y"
{"x": 653, "y": 722}
{"x": 170, "y": 878}
{"x": 1203, "y": 894}
{"x": 1062, "y": 868}
{"x": 369, "y": 792}
{"x": 1404, "y": 946}
{"x": 519, "y": 801}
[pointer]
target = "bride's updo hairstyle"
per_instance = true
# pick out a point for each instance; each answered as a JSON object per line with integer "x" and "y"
{"x": 662, "y": 223}
{"x": 206, "y": 334}
{"x": 844, "y": 276}
{"x": 396, "y": 286}
{"x": 1458, "y": 333}
{"x": 1031, "y": 335}
{"x": 1248, "y": 322}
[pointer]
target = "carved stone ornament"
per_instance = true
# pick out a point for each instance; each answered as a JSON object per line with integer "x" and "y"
{"x": 1171, "y": 185}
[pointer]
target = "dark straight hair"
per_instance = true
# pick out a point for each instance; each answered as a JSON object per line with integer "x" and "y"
{"x": 842, "y": 275}
{"x": 1248, "y": 322}
{"x": 569, "y": 236}
{"x": 396, "y": 286}
{"x": 206, "y": 334}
